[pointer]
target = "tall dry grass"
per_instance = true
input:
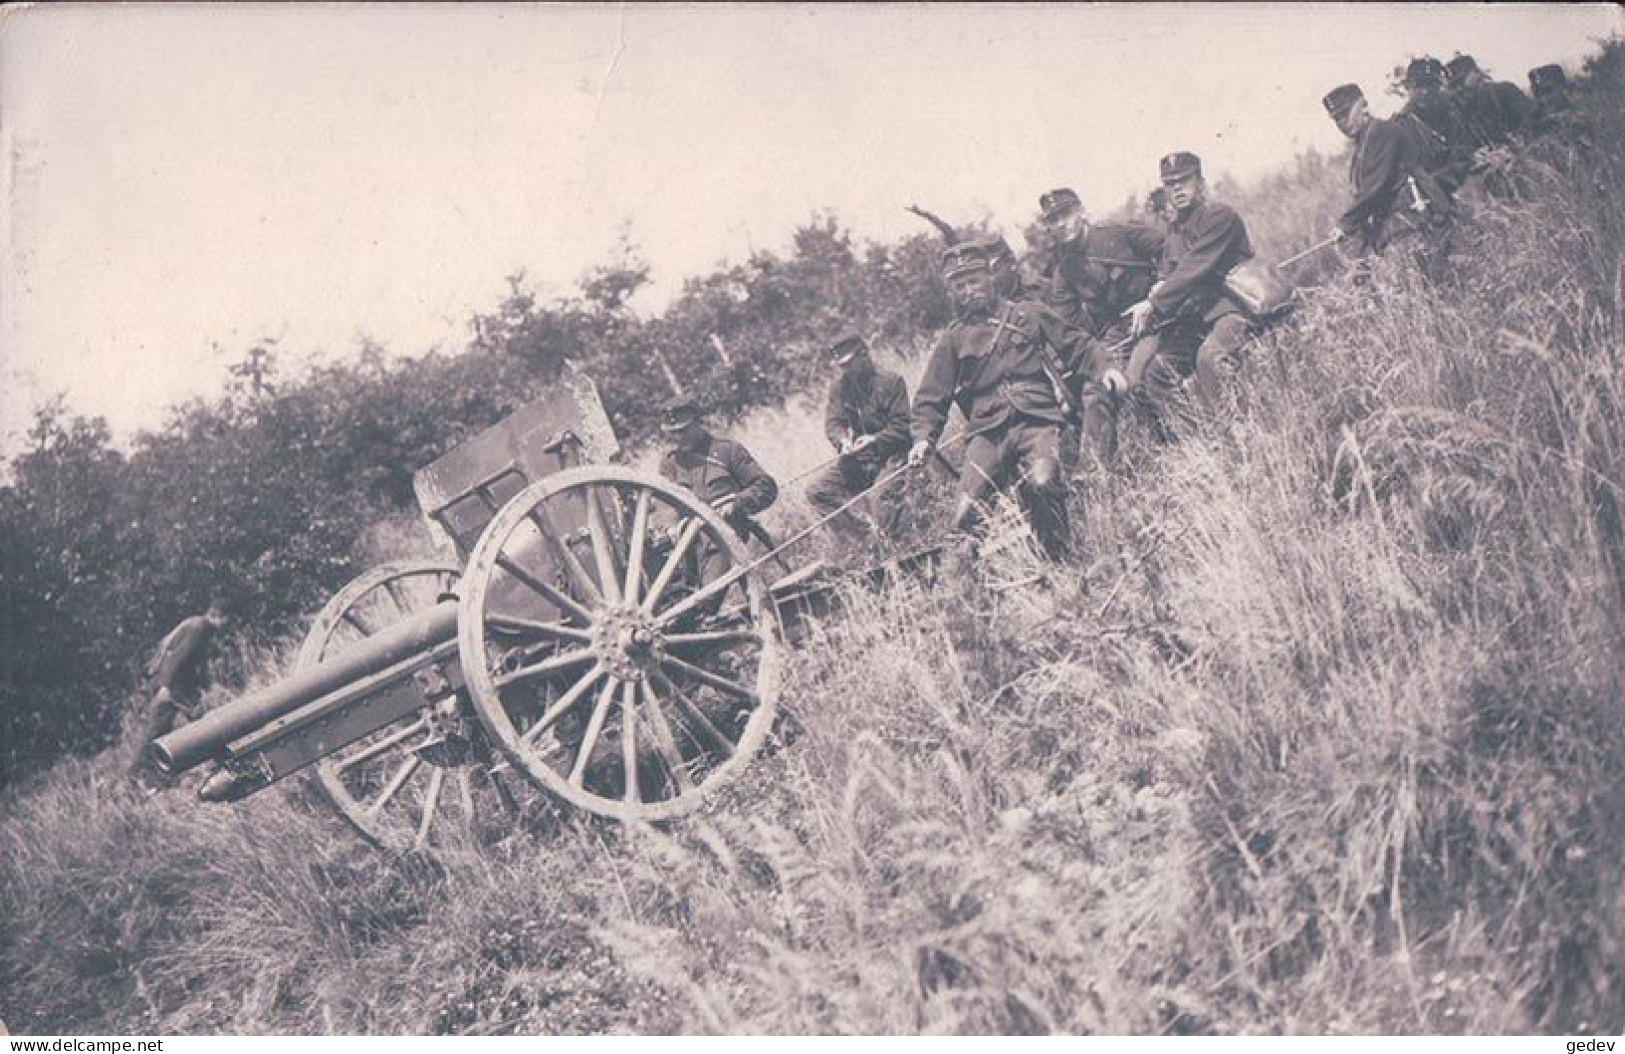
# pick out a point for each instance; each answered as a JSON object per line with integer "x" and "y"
{"x": 1323, "y": 736}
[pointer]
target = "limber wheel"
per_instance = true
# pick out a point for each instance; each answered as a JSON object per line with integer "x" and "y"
{"x": 426, "y": 774}
{"x": 617, "y": 645}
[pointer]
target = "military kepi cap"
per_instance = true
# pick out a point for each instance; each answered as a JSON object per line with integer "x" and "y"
{"x": 1461, "y": 66}
{"x": 678, "y": 415}
{"x": 1053, "y": 204}
{"x": 1179, "y": 165}
{"x": 962, "y": 258}
{"x": 1549, "y": 76}
{"x": 1341, "y": 99}
{"x": 1424, "y": 72}
{"x": 842, "y": 349}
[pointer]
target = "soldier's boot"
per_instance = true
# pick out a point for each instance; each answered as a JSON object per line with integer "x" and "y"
{"x": 1044, "y": 493}
{"x": 1099, "y": 447}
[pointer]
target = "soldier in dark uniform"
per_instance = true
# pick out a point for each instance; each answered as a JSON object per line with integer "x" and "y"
{"x": 175, "y": 680}
{"x": 721, "y": 473}
{"x": 1442, "y": 130}
{"x": 867, "y": 423}
{"x": 1495, "y": 111}
{"x": 1098, "y": 271}
{"x": 1552, "y": 106}
{"x": 1186, "y": 326}
{"x": 1002, "y": 363}
{"x": 1394, "y": 200}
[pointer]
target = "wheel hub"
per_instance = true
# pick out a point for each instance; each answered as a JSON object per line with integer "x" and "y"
{"x": 624, "y": 640}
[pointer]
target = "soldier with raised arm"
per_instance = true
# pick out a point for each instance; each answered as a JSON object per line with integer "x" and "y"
{"x": 1002, "y": 363}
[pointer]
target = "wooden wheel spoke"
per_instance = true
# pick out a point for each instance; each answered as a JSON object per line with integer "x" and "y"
{"x": 552, "y": 665}
{"x": 674, "y": 559}
{"x": 702, "y": 596}
{"x": 706, "y": 677}
{"x": 712, "y": 638}
{"x": 465, "y": 794}
{"x": 666, "y": 741}
{"x": 595, "y": 725}
{"x": 553, "y": 596}
{"x": 634, "y": 559}
{"x": 360, "y": 624}
{"x": 395, "y": 784}
{"x": 403, "y": 606}
{"x": 566, "y": 556}
{"x": 629, "y": 740}
{"x": 431, "y": 805}
{"x": 557, "y": 630}
{"x": 609, "y": 576}
{"x": 394, "y": 739}
{"x": 562, "y": 704}
{"x": 695, "y": 715}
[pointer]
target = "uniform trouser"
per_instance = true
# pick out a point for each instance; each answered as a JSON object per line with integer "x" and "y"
{"x": 1098, "y": 406}
{"x": 1208, "y": 353}
{"x": 1426, "y": 249}
{"x": 851, "y": 476}
{"x": 1030, "y": 448}
{"x": 163, "y": 710}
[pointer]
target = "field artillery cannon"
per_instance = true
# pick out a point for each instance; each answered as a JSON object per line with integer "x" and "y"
{"x": 605, "y": 635}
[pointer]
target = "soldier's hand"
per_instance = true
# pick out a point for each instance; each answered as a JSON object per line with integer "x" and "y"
{"x": 1337, "y": 235}
{"x": 1114, "y": 382}
{"x": 725, "y": 506}
{"x": 861, "y": 443}
{"x": 1139, "y": 317}
{"x": 918, "y": 453}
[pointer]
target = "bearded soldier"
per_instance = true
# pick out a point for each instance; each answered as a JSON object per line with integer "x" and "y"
{"x": 1002, "y": 363}
{"x": 1097, "y": 271}
{"x": 867, "y": 423}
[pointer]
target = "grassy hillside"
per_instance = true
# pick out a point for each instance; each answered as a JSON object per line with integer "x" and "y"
{"x": 1323, "y": 736}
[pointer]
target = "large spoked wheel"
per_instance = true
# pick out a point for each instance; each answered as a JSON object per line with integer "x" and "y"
{"x": 427, "y": 774}
{"x": 618, "y": 646}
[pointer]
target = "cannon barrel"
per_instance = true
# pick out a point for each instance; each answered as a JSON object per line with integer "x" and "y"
{"x": 209, "y": 736}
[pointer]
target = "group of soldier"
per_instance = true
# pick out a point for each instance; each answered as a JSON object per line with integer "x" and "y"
{"x": 1044, "y": 354}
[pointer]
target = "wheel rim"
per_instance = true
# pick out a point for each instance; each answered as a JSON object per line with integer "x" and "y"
{"x": 426, "y": 775}
{"x": 601, "y": 661}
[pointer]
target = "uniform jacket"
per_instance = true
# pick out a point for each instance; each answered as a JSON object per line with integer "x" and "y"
{"x": 1114, "y": 268}
{"x": 178, "y": 662}
{"x": 721, "y": 468}
{"x": 1202, "y": 247}
{"x": 1443, "y": 134}
{"x": 1385, "y": 154}
{"x": 993, "y": 367}
{"x": 1494, "y": 111}
{"x": 876, "y": 405}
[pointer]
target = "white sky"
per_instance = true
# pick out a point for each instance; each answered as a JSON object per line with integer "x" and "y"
{"x": 178, "y": 177}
